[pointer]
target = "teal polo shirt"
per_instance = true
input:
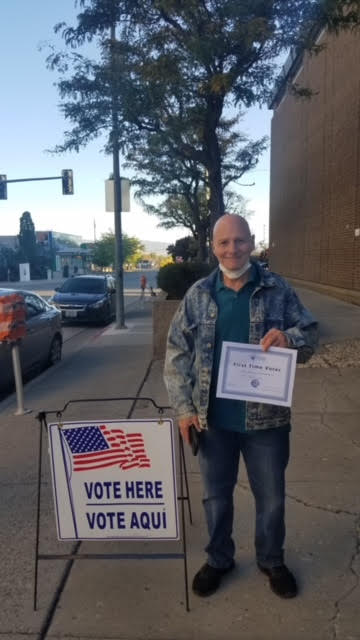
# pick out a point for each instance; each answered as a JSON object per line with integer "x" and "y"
{"x": 232, "y": 325}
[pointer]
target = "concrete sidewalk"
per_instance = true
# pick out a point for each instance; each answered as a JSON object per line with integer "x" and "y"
{"x": 133, "y": 600}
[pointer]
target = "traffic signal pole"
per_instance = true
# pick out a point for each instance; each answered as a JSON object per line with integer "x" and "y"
{"x": 66, "y": 178}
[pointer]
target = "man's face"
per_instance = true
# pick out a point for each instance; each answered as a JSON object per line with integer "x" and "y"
{"x": 232, "y": 243}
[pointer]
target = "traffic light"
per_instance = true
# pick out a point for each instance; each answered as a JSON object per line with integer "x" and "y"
{"x": 3, "y": 187}
{"x": 67, "y": 182}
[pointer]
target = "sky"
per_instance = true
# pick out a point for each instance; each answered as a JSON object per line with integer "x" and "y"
{"x": 31, "y": 123}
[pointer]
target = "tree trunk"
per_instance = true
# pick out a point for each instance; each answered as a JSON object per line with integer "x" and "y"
{"x": 213, "y": 159}
{"x": 202, "y": 247}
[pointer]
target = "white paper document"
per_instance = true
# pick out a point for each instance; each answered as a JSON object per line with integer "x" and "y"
{"x": 247, "y": 372}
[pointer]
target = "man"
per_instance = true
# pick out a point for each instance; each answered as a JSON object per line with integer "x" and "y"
{"x": 238, "y": 302}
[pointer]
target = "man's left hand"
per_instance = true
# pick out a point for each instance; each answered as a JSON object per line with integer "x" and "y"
{"x": 274, "y": 338}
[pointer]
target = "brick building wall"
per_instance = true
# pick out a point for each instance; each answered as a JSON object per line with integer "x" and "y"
{"x": 315, "y": 170}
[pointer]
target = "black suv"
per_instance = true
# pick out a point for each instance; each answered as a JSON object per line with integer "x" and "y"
{"x": 86, "y": 298}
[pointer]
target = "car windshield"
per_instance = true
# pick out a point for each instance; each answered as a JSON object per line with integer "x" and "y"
{"x": 83, "y": 285}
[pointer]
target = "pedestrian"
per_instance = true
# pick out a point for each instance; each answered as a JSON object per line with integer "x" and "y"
{"x": 240, "y": 302}
{"x": 143, "y": 283}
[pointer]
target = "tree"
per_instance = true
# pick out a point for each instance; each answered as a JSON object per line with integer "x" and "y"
{"x": 184, "y": 248}
{"x": 132, "y": 248}
{"x": 177, "y": 211}
{"x": 133, "y": 251}
{"x": 154, "y": 150}
{"x": 39, "y": 257}
{"x": 180, "y": 64}
{"x": 217, "y": 53}
{"x": 27, "y": 238}
{"x": 189, "y": 211}
{"x": 104, "y": 249}
{"x": 184, "y": 181}
{"x": 236, "y": 203}
{"x": 8, "y": 263}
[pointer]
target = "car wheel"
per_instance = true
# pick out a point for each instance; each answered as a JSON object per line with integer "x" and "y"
{"x": 55, "y": 351}
{"x": 107, "y": 316}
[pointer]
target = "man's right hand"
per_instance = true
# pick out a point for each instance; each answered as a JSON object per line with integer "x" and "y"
{"x": 185, "y": 424}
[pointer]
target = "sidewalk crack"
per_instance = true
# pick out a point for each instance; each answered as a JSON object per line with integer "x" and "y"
{"x": 329, "y": 509}
{"x": 308, "y": 505}
{"x": 335, "y": 620}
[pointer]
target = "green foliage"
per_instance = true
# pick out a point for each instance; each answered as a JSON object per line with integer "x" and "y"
{"x": 104, "y": 249}
{"x": 175, "y": 279}
{"x": 39, "y": 258}
{"x": 27, "y": 238}
{"x": 236, "y": 203}
{"x": 163, "y": 169}
{"x": 168, "y": 76}
{"x": 189, "y": 211}
{"x": 184, "y": 248}
{"x": 132, "y": 249}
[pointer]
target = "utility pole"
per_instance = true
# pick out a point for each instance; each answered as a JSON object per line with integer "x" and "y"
{"x": 119, "y": 268}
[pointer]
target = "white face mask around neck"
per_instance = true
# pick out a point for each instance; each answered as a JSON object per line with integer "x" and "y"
{"x": 234, "y": 273}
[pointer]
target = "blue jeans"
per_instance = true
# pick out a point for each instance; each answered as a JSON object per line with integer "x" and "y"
{"x": 266, "y": 454}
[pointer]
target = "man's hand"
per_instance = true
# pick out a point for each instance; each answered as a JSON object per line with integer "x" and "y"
{"x": 274, "y": 338}
{"x": 185, "y": 424}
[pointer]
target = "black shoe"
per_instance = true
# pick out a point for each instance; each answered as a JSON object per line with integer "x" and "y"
{"x": 282, "y": 581}
{"x": 208, "y": 579}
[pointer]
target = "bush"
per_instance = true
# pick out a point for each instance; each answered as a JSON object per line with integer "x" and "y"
{"x": 175, "y": 279}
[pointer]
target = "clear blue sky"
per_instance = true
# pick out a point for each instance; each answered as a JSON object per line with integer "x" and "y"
{"x": 30, "y": 123}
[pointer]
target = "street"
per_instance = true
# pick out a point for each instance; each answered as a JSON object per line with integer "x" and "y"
{"x": 46, "y": 288}
{"x": 76, "y": 335}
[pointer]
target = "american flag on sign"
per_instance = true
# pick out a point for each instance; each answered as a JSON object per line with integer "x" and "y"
{"x": 99, "y": 447}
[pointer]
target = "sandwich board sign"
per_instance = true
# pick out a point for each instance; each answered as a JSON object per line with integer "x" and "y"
{"x": 114, "y": 479}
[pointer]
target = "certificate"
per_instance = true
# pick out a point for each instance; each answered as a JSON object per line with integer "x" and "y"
{"x": 246, "y": 372}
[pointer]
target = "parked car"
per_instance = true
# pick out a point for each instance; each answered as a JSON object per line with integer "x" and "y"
{"x": 42, "y": 344}
{"x": 86, "y": 299}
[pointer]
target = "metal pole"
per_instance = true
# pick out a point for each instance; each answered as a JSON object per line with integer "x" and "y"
{"x": 41, "y": 418}
{"x": 183, "y": 527}
{"x": 119, "y": 269}
{"x": 20, "y": 411}
{"x": 33, "y": 179}
{"x": 187, "y": 496}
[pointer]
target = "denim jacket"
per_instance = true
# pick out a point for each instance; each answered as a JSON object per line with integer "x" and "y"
{"x": 190, "y": 344}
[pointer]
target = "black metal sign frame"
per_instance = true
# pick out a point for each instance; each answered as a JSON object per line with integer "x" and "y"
{"x": 183, "y": 497}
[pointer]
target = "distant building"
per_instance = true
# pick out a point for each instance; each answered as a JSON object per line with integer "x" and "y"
{"x": 68, "y": 257}
{"x": 315, "y": 169}
{"x": 11, "y": 242}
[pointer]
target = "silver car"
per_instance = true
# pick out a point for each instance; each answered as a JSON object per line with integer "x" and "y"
{"x": 42, "y": 344}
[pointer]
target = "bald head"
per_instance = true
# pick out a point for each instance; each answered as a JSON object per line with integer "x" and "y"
{"x": 232, "y": 242}
{"x": 231, "y": 221}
